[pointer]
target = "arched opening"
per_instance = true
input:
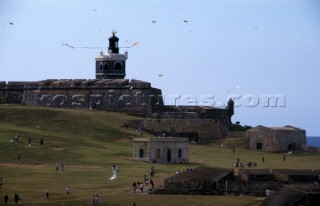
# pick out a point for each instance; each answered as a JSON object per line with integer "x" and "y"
{"x": 118, "y": 66}
{"x": 101, "y": 66}
{"x": 105, "y": 66}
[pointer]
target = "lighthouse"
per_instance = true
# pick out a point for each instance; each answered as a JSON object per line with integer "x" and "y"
{"x": 111, "y": 65}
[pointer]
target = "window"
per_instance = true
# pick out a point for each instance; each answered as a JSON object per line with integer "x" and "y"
{"x": 118, "y": 66}
{"x": 101, "y": 66}
{"x": 105, "y": 66}
{"x": 140, "y": 153}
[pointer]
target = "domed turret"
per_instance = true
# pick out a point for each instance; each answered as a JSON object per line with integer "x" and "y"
{"x": 113, "y": 44}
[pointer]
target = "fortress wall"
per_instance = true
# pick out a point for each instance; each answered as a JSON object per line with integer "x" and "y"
{"x": 206, "y": 129}
{"x": 16, "y": 92}
{"x": 86, "y": 98}
{"x": 2, "y": 92}
{"x": 105, "y": 94}
{"x": 306, "y": 148}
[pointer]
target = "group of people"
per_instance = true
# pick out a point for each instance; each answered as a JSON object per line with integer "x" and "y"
{"x": 95, "y": 200}
{"x": 17, "y": 139}
{"x": 146, "y": 181}
{"x": 16, "y": 198}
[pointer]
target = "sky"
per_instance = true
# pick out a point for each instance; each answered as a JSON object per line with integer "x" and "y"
{"x": 199, "y": 52}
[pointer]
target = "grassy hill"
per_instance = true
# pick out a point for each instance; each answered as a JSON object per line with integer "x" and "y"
{"x": 89, "y": 143}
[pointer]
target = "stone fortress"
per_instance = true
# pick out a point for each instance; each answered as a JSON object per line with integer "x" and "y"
{"x": 110, "y": 91}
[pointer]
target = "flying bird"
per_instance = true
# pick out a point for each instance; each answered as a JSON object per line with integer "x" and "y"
{"x": 154, "y": 21}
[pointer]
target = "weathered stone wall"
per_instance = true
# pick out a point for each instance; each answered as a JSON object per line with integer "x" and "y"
{"x": 105, "y": 94}
{"x": 275, "y": 139}
{"x": 262, "y": 135}
{"x": 306, "y": 148}
{"x": 289, "y": 137}
{"x": 202, "y": 129}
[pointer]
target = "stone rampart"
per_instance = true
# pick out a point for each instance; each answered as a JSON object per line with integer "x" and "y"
{"x": 198, "y": 129}
{"x": 123, "y": 95}
{"x": 105, "y": 94}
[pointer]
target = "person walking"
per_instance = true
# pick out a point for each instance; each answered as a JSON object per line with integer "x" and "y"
{"x": 96, "y": 200}
{"x": 6, "y": 198}
{"x": 16, "y": 198}
{"x": 68, "y": 190}
{"x": 134, "y": 187}
{"x": 152, "y": 184}
{"x": 41, "y": 141}
{"x": 47, "y": 193}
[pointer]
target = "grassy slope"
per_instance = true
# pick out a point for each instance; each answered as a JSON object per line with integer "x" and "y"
{"x": 89, "y": 142}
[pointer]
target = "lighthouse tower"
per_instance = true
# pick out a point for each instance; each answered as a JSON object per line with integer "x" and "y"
{"x": 111, "y": 65}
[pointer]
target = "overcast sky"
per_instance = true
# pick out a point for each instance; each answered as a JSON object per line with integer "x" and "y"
{"x": 205, "y": 50}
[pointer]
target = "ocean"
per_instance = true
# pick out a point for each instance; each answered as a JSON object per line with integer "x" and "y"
{"x": 313, "y": 141}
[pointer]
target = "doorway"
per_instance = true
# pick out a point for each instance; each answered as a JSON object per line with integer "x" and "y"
{"x": 168, "y": 155}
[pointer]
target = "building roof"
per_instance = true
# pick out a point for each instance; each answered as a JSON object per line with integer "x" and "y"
{"x": 161, "y": 139}
{"x": 284, "y": 128}
{"x": 200, "y": 173}
{"x": 255, "y": 172}
{"x": 290, "y": 194}
{"x": 294, "y": 172}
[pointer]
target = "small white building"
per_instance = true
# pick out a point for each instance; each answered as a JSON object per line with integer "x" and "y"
{"x": 161, "y": 149}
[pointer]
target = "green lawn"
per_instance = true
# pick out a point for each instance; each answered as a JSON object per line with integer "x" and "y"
{"x": 88, "y": 143}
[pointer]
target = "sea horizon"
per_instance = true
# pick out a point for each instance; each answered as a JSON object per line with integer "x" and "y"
{"x": 313, "y": 141}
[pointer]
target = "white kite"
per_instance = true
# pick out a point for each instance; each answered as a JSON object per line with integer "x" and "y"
{"x": 114, "y": 176}
{"x": 236, "y": 87}
{"x": 114, "y": 173}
